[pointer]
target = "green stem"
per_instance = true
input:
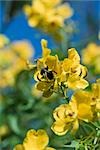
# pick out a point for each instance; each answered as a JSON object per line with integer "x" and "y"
{"x": 64, "y": 94}
{"x": 89, "y": 126}
{"x": 95, "y": 125}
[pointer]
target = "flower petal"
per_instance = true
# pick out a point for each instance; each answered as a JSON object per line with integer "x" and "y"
{"x": 73, "y": 55}
{"x": 45, "y": 50}
{"x": 51, "y": 62}
{"x": 19, "y": 147}
{"x": 60, "y": 128}
{"x": 85, "y": 112}
{"x": 84, "y": 71}
{"x": 82, "y": 97}
{"x": 33, "y": 22}
{"x": 38, "y": 140}
{"x": 67, "y": 63}
{"x": 75, "y": 126}
{"x": 75, "y": 82}
{"x": 65, "y": 10}
{"x": 59, "y": 112}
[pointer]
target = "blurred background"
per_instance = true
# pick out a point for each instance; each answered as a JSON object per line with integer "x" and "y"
{"x": 20, "y": 103}
{"x": 13, "y": 23}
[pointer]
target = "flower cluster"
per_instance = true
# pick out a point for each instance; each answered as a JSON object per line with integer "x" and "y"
{"x": 83, "y": 106}
{"x": 91, "y": 57}
{"x": 35, "y": 140}
{"x": 60, "y": 100}
{"x": 53, "y": 75}
{"x": 13, "y": 59}
{"x": 48, "y": 15}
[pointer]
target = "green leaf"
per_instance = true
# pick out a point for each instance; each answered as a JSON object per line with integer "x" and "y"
{"x": 13, "y": 122}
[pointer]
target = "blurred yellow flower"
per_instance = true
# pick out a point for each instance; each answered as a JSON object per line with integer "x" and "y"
{"x": 47, "y": 15}
{"x": 35, "y": 140}
{"x": 6, "y": 78}
{"x": 91, "y": 56}
{"x": 7, "y": 59}
{"x": 50, "y": 3}
{"x": 3, "y": 40}
{"x": 68, "y": 116}
{"x": 13, "y": 60}
{"x": 23, "y": 49}
{"x": 4, "y": 130}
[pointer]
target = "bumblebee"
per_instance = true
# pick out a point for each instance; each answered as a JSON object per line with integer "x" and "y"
{"x": 46, "y": 74}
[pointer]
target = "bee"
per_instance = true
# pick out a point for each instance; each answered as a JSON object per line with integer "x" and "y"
{"x": 46, "y": 74}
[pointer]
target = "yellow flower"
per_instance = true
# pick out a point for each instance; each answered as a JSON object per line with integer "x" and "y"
{"x": 83, "y": 105}
{"x": 64, "y": 10}
{"x": 7, "y": 59}
{"x": 13, "y": 60}
{"x": 74, "y": 71}
{"x": 92, "y": 98}
{"x": 6, "y": 78}
{"x": 91, "y": 56}
{"x": 51, "y": 74}
{"x": 48, "y": 15}
{"x": 67, "y": 116}
{"x": 23, "y": 49}
{"x": 47, "y": 71}
{"x": 3, "y": 40}
{"x": 35, "y": 140}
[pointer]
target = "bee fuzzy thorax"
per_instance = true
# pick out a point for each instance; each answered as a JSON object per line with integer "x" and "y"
{"x": 46, "y": 73}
